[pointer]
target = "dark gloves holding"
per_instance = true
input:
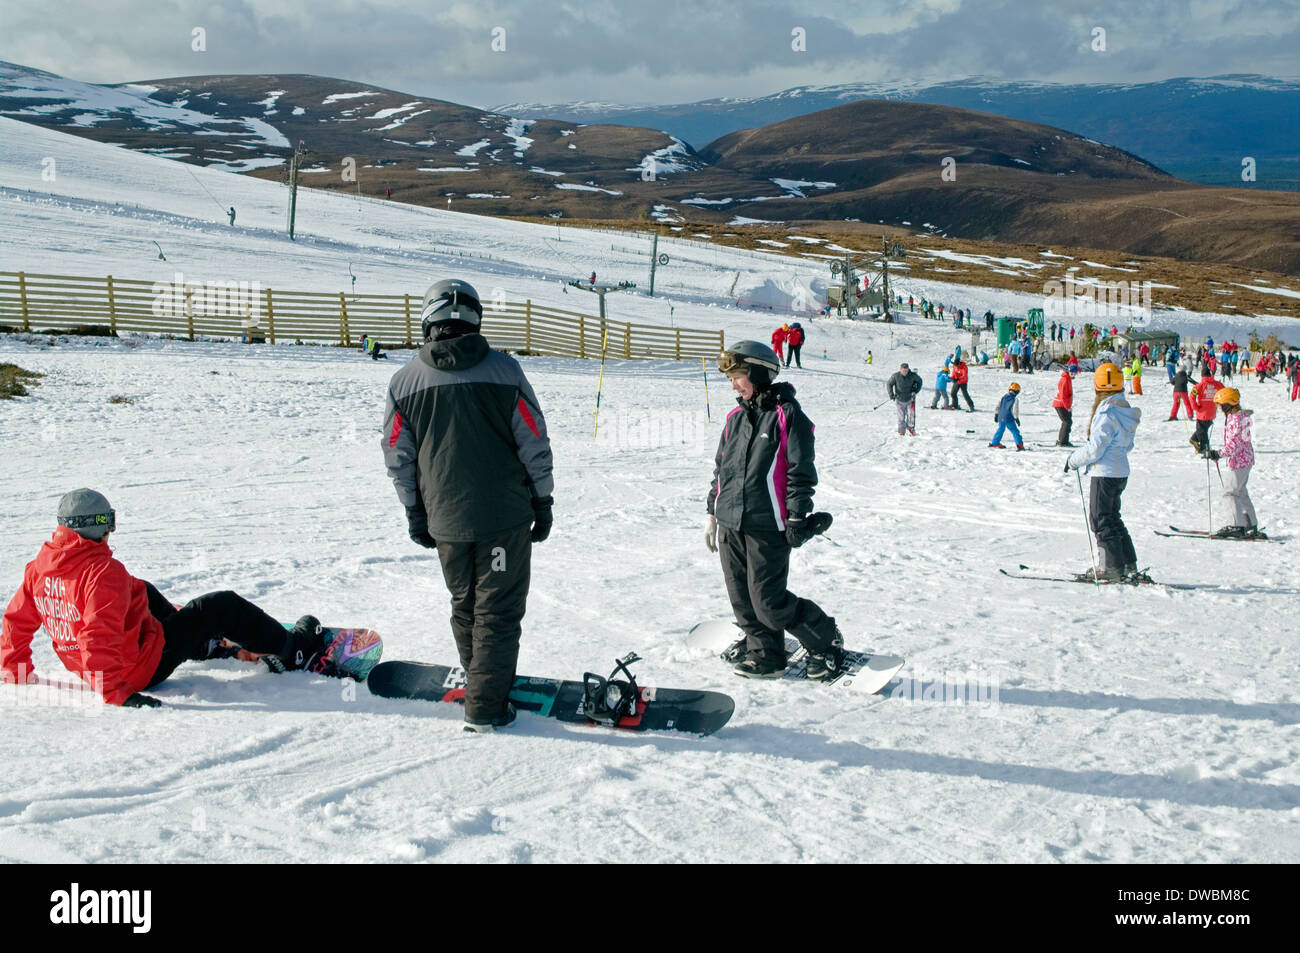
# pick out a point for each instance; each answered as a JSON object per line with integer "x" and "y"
{"x": 141, "y": 701}
{"x": 1212, "y": 455}
{"x": 417, "y": 526}
{"x": 542, "y": 518}
{"x": 800, "y": 529}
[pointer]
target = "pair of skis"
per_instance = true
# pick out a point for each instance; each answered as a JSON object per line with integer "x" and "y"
{"x": 1203, "y": 534}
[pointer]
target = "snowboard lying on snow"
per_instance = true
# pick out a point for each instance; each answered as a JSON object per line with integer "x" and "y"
{"x": 615, "y": 703}
{"x": 863, "y": 672}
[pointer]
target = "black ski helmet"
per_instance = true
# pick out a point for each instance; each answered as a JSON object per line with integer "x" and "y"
{"x": 87, "y": 513}
{"x": 450, "y": 300}
{"x": 757, "y": 360}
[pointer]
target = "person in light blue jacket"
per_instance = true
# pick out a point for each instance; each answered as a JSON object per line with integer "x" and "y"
{"x": 1104, "y": 458}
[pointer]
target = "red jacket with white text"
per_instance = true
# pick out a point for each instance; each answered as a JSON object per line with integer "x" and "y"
{"x": 96, "y": 613}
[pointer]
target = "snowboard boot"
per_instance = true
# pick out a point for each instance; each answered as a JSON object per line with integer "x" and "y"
{"x": 735, "y": 652}
{"x": 755, "y": 666}
{"x": 305, "y": 649}
{"x": 818, "y": 633}
{"x": 504, "y": 720}
{"x": 828, "y": 665}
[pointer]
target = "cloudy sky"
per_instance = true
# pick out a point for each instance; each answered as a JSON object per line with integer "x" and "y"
{"x": 651, "y": 51}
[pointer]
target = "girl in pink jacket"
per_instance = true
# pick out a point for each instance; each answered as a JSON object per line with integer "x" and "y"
{"x": 1240, "y": 456}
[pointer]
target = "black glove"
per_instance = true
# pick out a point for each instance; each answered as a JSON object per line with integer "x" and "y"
{"x": 800, "y": 529}
{"x": 542, "y": 518}
{"x": 417, "y": 526}
{"x": 1067, "y": 465}
{"x": 1212, "y": 455}
{"x": 141, "y": 701}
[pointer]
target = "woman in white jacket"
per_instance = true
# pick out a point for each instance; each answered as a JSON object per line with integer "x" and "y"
{"x": 1104, "y": 458}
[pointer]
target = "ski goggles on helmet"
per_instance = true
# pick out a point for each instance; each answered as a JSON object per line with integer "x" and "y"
{"x": 731, "y": 363}
{"x": 90, "y": 520}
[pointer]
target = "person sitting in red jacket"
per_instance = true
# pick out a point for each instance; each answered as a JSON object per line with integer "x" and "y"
{"x": 1206, "y": 410}
{"x": 118, "y": 633}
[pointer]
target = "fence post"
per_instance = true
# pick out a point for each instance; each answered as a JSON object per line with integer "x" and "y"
{"x": 627, "y": 340}
{"x": 582, "y": 336}
{"x": 406, "y": 303}
{"x": 270, "y": 318}
{"x": 189, "y": 310}
{"x": 112, "y": 308}
{"x": 22, "y": 297}
{"x": 345, "y": 336}
{"x": 677, "y": 344}
{"x": 528, "y": 325}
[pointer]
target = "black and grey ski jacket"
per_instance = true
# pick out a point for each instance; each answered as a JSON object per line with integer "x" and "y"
{"x": 903, "y": 388}
{"x": 763, "y": 472}
{"x": 464, "y": 434}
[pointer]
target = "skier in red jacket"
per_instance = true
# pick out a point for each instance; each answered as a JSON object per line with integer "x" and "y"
{"x": 1064, "y": 404}
{"x": 1206, "y": 411}
{"x": 118, "y": 633}
{"x": 779, "y": 337}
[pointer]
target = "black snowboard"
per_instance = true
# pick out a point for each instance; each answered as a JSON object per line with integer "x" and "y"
{"x": 659, "y": 709}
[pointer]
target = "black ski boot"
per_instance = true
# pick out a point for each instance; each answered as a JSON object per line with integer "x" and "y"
{"x": 1230, "y": 532}
{"x": 1253, "y": 532}
{"x": 1107, "y": 575}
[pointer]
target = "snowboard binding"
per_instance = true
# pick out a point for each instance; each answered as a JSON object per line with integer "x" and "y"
{"x": 608, "y": 700}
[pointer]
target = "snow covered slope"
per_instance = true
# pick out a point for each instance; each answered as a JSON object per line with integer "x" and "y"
{"x": 1127, "y": 725}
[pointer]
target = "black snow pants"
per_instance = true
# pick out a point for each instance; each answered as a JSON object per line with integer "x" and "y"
{"x": 488, "y": 580}
{"x": 1201, "y": 436}
{"x": 1067, "y": 419}
{"x": 755, "y": 566}
{"x": 194, "y": 631}
{"x": 1113, "y": 540}
{"x": 961, "y": 389}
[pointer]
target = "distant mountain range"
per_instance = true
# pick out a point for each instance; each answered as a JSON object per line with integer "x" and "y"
{"x": 1195, "y": 129}
{"x": 947, "y": 170}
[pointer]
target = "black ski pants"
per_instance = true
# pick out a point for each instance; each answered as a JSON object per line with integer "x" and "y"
{"x": 488, "y": 580}
{"x": 1201, "y": 437}
{"x": 755, "y": 566}
{"x": 961, "y": 389}
{"x": 193, "y": 632}
{"x": 1113, "y": 539}
{"x": 1067, "y": 420}
{"x": 792, "y": 352}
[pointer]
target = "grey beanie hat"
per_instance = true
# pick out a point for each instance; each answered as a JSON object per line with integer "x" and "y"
{"x": 87, "y": 512}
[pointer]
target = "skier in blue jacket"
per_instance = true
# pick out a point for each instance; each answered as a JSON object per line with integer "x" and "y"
{"x": 941, "y": 382}
{"x": 1008, "y": 418}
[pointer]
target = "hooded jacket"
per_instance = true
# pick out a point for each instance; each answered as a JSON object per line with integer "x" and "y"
{"x": 1064, "y": 392}
{"x": 94, "y": 611}
{"x": 763, "y": 471}
{"x": 904, "y": 388}
{"x": 1203, "y": 398}
{"x": 464, "y": 436}
{"x": 1113, "y": 428}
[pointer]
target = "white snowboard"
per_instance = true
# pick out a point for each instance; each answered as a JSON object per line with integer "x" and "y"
{"x": 863, "y": 672}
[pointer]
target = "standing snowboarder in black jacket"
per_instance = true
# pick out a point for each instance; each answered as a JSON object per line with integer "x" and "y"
{"x": 760, "y": 505}
{"x": 902, "y": 389}
{"x": 465, "y": 444}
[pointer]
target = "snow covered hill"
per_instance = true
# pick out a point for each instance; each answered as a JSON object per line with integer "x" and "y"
{"x": 1126, "y": 725}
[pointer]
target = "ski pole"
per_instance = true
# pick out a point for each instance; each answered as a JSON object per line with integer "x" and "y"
{"x": 882, "y": 403}
{"x": 1220, "y": 473}
{"x": 601, "y": 385}
{"x": 704, "y": 367}
{"x": 1087, "y": 530}
{"x": 1209, "y": 506}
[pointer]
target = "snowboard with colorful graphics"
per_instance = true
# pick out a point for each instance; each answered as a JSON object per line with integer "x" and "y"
{"x": 863, "y": 672}
{"x": 653, "y": 709}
